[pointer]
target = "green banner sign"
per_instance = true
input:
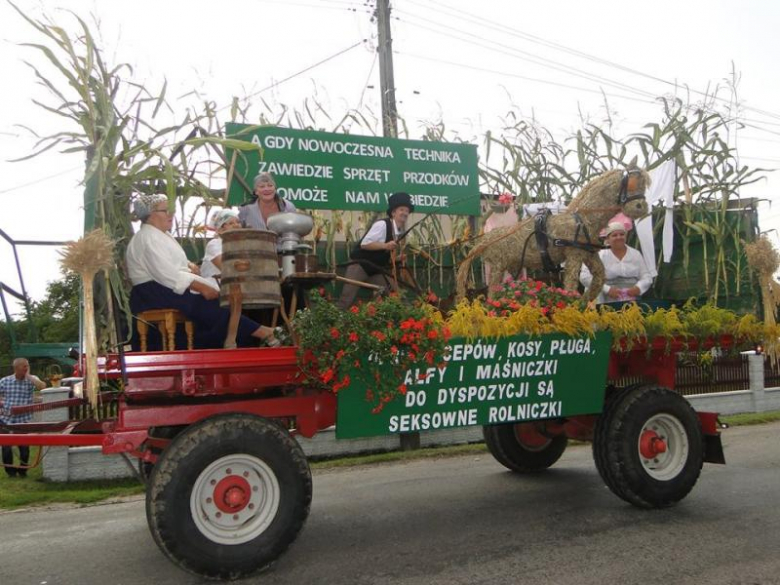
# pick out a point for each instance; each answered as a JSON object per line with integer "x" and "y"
{"x": 322, "y": 170}
{"x": 489, "y": 381}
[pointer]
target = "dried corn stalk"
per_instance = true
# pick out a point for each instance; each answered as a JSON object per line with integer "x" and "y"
{"x": 87, "y": 256}
{"x": 765, "y": 260}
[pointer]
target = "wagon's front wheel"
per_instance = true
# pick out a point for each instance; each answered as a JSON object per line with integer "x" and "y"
{"x": 649, "y": 447}
{"x": 228, "y": 496}
{"x": 522, "y": 448}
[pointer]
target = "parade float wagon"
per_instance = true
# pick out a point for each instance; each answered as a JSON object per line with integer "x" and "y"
{"x": 228, "y": 485}
{"x": 229, "y": 488}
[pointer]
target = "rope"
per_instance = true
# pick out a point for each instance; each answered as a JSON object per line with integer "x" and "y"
{"x": 40, "y": 455}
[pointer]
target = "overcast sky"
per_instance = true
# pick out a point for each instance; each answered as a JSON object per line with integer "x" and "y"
{"x": 463, "y": 62}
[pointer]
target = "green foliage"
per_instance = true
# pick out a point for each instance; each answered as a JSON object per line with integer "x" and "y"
{"x": 707, "y": 320}
{"x": 56, "y": 318}
{"x": 57, "y": 315}
{"x": 749, "y": 418}
{"x": 664, "y": 323}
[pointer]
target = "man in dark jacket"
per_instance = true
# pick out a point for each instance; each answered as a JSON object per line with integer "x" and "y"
{"x": 373, "y": 254}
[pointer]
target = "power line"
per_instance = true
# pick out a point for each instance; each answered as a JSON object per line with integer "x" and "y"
{"x": 743, "y": 156}
{"x": 41, "y": 180}
{"x": 475, "y": 19}
{"x": 759, "y": 121}
{"x": 560, "y": 66}
{"x": 525, "y": 77}
{"x": 757, "y": 139}
{"x": 349, "y": 6}
{"x": 760, "y": 129}
{"x": 368, "y": 80}
{"x": 301, "y": 72}
{"x": 364, "y": 4}
{"x": 525, "y": 56}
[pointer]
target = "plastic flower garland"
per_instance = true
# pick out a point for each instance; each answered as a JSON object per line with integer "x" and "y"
{"x": 374, "y": 345}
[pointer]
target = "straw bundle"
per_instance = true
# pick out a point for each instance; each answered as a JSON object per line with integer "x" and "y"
{"x": 765, "y": 260}
{"x": 85, "y": 257}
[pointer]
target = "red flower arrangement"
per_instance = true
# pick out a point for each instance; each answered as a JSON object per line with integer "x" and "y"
{"x": 373, "y": 344}
{"x": 512, "y": 293}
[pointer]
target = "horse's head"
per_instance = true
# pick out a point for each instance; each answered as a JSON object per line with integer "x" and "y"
{"x": 631, "y": 197}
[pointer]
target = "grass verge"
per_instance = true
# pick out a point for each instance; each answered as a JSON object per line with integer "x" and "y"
{"x": 35, "y": 491}
{"x": 758, "y": 418}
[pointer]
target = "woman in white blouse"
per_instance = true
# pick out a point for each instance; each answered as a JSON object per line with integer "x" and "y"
{"x": 163, "y": 278}
{"x": 627, "y": 276}
{"x": 222, "y": 220}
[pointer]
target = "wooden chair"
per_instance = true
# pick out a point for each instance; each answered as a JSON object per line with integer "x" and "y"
{"x": 166, "y": 321}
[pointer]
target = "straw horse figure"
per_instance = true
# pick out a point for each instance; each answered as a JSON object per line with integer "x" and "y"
{"x": 571, "y": 236}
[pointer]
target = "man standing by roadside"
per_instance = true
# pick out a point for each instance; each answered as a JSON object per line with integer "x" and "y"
{"x": 17, "y": 390}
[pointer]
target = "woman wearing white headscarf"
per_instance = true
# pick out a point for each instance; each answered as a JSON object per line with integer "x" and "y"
{"x": 163, "y": 278}
{"x": 627, "y": 276}
{"x": 222, "y": 220}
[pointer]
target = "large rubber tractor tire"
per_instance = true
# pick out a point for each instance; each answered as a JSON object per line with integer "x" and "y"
{"x": 648, "y": 446}
{"x": 228, "y": 496}
{"x": 521, "y": 448}
{"x": 612, "y": 398}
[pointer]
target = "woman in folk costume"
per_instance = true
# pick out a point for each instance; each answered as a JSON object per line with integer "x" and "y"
{"x": 221, "y": 221}
{"x": 627, "y": 276}
{"x": 163, "y": 278}
{"x": 373, "y": 254}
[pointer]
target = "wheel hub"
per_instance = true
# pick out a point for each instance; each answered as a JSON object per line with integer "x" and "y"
{"x": 651, "y": 445}
{"x": 663, "y": 447}
{"x": 232, "y": 494}
{"x": 530, "y": 438}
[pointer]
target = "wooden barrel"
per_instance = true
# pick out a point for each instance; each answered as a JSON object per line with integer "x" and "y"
{"x": 249, "y": 259}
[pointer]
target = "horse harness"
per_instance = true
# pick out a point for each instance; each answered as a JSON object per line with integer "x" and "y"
{"x": 543, "y": 239}
{"x": 623, "y": 196}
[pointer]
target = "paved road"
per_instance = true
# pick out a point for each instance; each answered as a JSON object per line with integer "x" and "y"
{"x": 456, "y": 521}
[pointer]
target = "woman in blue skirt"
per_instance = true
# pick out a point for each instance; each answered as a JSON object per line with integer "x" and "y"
{"x": 163, "y": 278}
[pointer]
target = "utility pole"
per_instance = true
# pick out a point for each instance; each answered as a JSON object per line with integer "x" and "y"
{"x": 386, "y": 81}
{"x": 408, "y": 441}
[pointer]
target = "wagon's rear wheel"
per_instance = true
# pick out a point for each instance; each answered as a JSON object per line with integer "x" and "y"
{"x": 228, "y": 496}
{"x": 612, "y": 399}
{"x": 648, "y": 446}
{"x": 522, "y": 448}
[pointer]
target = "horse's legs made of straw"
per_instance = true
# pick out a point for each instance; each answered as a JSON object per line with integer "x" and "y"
{"x": 574, "y": 261}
